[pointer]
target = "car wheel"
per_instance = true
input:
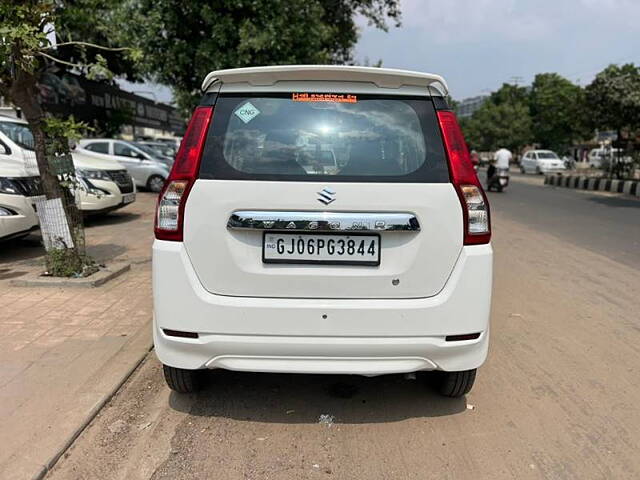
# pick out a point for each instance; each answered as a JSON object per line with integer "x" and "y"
{"x": 181, "y": 380}
{"x": 522, "y": 170}
{"x": 538, "y": 171}
{"x": 155, "y": 183}
{"x": 455, "y": 384}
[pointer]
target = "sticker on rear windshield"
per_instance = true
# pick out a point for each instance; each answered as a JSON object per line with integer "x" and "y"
{"x": 324, "y": 97}
{"x": 247, "y": 112}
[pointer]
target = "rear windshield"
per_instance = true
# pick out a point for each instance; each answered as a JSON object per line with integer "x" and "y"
{"x": 324, "y": 137}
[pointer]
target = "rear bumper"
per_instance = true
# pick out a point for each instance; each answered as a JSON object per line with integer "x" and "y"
{"x": 352, "y": 336}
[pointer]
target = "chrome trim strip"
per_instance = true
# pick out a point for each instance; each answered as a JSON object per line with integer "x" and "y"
{"x": 323, "y": 221}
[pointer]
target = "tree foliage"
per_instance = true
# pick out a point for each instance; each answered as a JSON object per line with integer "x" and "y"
{"x": 95, "y": 22}
{"x": 557, "y": 111}
{"x": 183, "y": 41}
{"x": 614, "y": 98}
{"x": 502, "y": 121}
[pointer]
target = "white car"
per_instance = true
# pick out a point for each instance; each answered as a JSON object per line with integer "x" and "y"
{"x": 147, "y": 170}
{"x": 380, "y": 266}
{"x": 17, "y": 190}
{"x": 541, "y": 161}
{"x": 599, "y": 157}
{"x": 103, "y": 185}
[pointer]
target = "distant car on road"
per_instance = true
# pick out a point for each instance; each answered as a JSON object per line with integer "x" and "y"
{"x": 541, "y": 161}
{"x": 148, "y": 170}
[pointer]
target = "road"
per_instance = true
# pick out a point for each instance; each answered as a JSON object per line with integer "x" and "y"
{"x": 557, "y": 399}
{"x": 605, "y": 223}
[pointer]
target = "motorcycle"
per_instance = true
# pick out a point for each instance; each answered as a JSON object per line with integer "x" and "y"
{"x": 497, "y": 178}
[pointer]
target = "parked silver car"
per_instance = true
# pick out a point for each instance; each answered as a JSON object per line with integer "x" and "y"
{"x": 148, "y": 171}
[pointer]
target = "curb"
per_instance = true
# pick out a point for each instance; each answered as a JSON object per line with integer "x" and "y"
{"x": 41, "y": 474}
{"x": 97, "y": 279}
{"x": 629, "y": 187}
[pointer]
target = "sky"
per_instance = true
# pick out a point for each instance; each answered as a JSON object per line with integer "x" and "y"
{"x": 479, "y": 44}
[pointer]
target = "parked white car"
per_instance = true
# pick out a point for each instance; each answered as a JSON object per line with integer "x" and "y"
{"x": 541, "y": 161}
{"x": 17, "y": 189}
{"x": 380, "y": 266}
{"x": 598, "y": 157}
{"x": 104, "y": 185}
{"x": 147, "y": 170}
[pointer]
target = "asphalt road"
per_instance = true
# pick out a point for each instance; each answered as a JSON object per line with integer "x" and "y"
{"x": 557, "y": 399}
{"x": 608, "y": 224}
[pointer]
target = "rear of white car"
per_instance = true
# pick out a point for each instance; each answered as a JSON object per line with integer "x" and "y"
{"x": 269, "y": 258}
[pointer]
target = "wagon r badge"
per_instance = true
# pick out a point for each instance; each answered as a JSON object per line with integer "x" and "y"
{"x": 326, "y": 196}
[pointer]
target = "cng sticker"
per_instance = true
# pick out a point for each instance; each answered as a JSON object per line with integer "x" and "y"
{"x": 247, "y": 112}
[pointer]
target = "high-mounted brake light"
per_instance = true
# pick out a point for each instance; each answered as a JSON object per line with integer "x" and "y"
{"x": 171, "y": 201}
{"x": 475, "y": 207}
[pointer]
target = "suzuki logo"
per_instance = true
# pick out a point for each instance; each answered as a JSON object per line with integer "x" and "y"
{"x": 326, "y": 196}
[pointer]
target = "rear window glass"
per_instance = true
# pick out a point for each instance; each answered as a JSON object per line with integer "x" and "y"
{"x": 314, "y": 137}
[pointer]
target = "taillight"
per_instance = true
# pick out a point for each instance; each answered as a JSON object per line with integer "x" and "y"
{"x": 475, "y": 207}
{"x": 171, "y": 201}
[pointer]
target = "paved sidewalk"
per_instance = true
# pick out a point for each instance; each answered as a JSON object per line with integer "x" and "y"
{"x": 63, "y": 351}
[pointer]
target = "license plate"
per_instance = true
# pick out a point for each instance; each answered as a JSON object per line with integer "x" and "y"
{"x": 128, "y": 198}
{"x": 346, "y": 249}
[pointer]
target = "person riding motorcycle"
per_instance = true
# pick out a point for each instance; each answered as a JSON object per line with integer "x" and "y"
{"x": 498, "y": 171}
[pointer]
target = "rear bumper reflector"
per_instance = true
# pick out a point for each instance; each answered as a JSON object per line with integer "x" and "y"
{"x": 459, "y": 338}
{"x": 178, "y": 333}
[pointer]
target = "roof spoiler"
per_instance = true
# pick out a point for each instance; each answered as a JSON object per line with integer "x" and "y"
{"x": 381, "y": 77}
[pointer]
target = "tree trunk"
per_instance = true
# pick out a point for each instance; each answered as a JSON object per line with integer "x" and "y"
{"x": 63, "y": 258}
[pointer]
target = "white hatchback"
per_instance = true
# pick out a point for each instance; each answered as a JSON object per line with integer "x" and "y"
{"x": 267, "y": 261}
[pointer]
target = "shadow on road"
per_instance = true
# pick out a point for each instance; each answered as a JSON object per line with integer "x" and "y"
{"x": 105, "y": 251}
{"x": 344, "y": 399}
{"x": 20, "y": 249}
{"x": 113, "y": 218}
{"x": 616, "y": 202}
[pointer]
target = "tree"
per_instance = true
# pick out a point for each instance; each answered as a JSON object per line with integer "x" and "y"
{"x": 558, "y": 112}
{"x": 25, "y": 53}
{"x": 614, "y": 98}
{"x": 183, "y": 41}
{"x": 614, "y": 102}
{"x": 502, "y": 121}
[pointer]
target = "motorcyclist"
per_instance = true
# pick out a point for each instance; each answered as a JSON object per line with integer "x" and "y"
{"x": 500, "y": 163}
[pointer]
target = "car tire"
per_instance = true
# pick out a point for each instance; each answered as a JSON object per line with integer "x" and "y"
{"x": 522, "y": 170}
{"x": 538, "y": 171}
{"x": 155, "y": 183}
{"x": 455, "y": 384}
{"x": 181, "y": 380}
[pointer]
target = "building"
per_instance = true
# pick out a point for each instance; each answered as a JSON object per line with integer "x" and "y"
{"x": 467, "y": 106}
{"x": 106, "y": 104}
